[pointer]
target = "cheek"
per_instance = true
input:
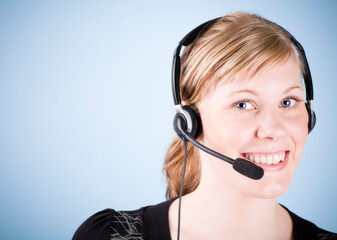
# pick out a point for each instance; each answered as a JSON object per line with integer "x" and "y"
{"x": 298, "y": 132}
{"x": 223, "y": 133}
{"x": 297, "y": 128}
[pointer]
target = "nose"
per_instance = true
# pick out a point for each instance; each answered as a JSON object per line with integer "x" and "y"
{"x": 270, "y": 125}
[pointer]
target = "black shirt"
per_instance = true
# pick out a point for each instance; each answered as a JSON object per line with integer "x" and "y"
{"x": 151, "y": 223}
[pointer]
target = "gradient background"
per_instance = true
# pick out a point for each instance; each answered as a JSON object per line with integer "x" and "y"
{"x": 86, "y": 108}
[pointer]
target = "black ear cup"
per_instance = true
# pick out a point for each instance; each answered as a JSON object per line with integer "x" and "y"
{"x": 313, "y": 121}
{"x": 312, "y": 117}
{"x": 188, "y": 120}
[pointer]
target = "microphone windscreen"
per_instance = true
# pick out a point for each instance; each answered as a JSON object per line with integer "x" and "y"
{"x": 248, "y": 169}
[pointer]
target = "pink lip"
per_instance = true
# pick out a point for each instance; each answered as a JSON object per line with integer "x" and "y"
{"x": 272, "y": 167}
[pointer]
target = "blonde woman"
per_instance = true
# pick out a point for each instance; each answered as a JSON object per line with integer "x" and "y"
{"x": 240, "y": 104}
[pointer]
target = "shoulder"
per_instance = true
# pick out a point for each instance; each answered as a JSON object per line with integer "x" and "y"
{"x": 150, "y": 222}
{"x": 325, "y": 235}
{"x": 111, "y": 224}
{"x": 304, "y": 229}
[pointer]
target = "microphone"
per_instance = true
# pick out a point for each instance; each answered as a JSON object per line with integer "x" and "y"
{"x": 246, "y": 168}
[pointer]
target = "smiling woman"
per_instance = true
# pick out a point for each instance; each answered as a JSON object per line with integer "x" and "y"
{"x": 256, "y": 121}
{"x": 238, "y": 92}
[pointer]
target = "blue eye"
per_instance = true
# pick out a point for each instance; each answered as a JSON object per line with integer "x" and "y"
{"x": 288, "y": 102}
{"x": 244, "y": 105}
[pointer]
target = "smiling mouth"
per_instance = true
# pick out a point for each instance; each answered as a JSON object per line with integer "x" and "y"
{"x": 266, "y": 158}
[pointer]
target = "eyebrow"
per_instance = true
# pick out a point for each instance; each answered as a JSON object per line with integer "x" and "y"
{"x": 294, "y": 87}
{"x": 256, "y": 94}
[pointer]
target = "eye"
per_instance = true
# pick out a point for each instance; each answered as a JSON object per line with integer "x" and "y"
{"x": 244, "y": 105}
{"x": 288, "y": 102}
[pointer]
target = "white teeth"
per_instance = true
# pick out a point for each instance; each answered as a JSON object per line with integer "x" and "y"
{"x": 263, "y": 159}
{"x": 266, "y": 159}
{"x": 258, "y": 160}
{"x": 270, "y": 159}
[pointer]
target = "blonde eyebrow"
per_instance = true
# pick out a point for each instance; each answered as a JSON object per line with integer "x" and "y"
{"x": 245, "y": 91}
{"x": 291, "y": 88}
{"x": 256, "y": 94}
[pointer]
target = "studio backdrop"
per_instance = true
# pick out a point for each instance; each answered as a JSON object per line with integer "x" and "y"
{"x": 86, "y": 108}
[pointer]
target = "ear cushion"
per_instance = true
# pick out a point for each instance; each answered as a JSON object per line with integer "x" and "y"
{"x": 312, "y": 117}
{"x": 313, "y": 121}
{"x": 189, "y": 121}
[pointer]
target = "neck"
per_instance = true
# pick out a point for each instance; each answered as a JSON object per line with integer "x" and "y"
{"x": 231, "y": 205}
{"x": 217, "y": 209}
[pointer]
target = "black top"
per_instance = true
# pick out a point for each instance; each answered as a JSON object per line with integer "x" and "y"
{"x": 151, "y": 223}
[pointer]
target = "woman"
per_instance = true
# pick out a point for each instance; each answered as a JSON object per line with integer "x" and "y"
{"x": 237, "y": 91}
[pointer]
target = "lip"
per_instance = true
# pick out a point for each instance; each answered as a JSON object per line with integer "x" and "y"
{"x": 271, "y": 167}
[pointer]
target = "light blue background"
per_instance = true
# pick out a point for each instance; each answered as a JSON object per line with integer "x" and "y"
{"x": 86, "y": 107}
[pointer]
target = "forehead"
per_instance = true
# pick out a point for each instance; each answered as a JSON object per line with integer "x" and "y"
{"x": 283, "y": 76}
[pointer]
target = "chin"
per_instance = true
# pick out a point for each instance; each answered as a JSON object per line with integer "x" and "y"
{"x": 274, "y": 192}
{"x": 271, "y": 189}
{"x": 275, "y": 182}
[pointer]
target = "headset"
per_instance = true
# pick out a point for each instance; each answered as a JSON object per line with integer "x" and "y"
{"x": 191, "y": 119}
{"x": 187, "y": 121}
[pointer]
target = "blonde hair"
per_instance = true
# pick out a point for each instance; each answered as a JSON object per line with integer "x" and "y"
{"x": 238, "y": 45}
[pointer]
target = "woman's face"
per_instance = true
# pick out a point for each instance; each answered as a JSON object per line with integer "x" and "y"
{"x": 264, "y": 121}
